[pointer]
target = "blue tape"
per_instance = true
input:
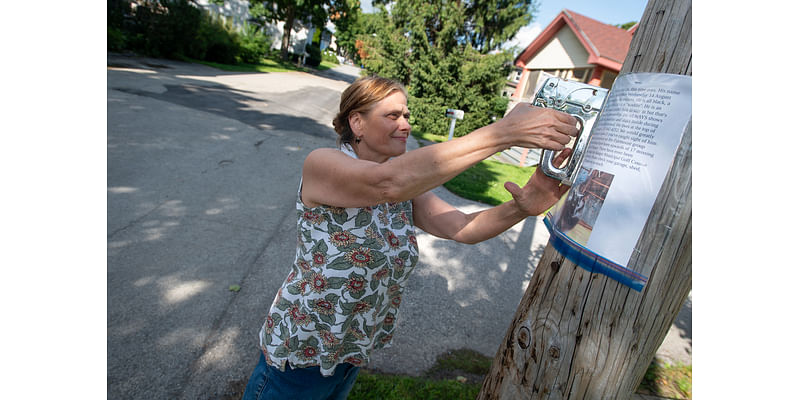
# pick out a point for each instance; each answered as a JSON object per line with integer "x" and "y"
{"x": 592, "y": 262}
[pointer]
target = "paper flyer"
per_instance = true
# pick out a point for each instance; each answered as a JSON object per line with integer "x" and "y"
{"x": 632, "y": 145}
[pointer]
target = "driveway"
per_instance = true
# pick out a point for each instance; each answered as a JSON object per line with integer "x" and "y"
{"x": 203, "y": 169}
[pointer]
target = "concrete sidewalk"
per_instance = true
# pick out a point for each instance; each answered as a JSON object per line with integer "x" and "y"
{"x": 203, "y": 168}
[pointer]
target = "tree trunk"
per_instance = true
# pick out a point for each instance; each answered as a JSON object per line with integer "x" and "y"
{"x": 287, "y": 33}
{"x": 578, "y": 335}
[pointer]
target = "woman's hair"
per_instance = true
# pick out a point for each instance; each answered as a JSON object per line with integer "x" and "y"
{"x": 361, "y": 96}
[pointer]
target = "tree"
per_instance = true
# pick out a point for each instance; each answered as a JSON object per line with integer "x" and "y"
{"x": 290, "y": 11}
{"x": 494, "y": 22}
{"x": 486, "y": 24}
{"x": 351, "y": 23}
{"x": 428, "y": 46}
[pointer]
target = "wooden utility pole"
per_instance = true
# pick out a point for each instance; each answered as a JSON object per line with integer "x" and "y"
{"x": 578, "y": 335}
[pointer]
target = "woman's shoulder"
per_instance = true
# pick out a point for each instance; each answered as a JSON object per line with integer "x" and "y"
{"x": 326, "y": 159}
{"x": 324, "y": 152}
{"x": 326, "y": 155}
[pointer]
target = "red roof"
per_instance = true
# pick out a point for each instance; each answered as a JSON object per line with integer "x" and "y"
{"x": 606, "y": 44}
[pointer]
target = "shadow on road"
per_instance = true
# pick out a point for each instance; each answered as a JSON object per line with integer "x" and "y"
{"x": 243, "y": 106}
{"x": 333, "y": 74}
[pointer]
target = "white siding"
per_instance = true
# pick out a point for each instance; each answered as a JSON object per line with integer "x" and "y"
{"x": 238, "y": 10}
{"x": 564, "y": 51}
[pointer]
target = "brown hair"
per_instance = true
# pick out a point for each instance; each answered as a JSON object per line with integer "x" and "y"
{"x": 360, "y": 96}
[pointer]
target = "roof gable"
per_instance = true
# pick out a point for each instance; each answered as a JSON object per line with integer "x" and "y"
{"x": 606, "y": 44}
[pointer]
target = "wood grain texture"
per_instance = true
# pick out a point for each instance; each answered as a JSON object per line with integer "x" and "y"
{"x": 578, "y": 335}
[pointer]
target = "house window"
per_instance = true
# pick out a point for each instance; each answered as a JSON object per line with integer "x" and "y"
{"x": 581, "y": 74}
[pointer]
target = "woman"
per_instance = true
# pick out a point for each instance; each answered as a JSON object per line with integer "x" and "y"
{"x": 357, "y": 207}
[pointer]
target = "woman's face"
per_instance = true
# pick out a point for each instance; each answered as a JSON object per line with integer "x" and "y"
{"x": 384, "y": 129}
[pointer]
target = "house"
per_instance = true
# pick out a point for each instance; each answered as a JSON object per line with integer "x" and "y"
{"x": 238, "y": 11}
{"x": 573, "y": 47}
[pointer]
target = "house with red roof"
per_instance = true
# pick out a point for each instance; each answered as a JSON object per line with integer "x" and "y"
{"x": 573, "y": 47}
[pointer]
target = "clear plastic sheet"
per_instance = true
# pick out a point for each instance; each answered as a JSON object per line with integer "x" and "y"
{"x": 630, "y": 149}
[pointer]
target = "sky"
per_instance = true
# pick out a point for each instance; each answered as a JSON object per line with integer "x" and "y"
{"x": 611, "y": 12}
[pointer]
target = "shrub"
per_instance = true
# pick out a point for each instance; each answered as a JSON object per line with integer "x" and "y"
{"x": 173, "y": 29}
{"x": 254, "y": 45}
{"x": 115, "y": 39}
{"x": 329, "y": 56}
{"x": 314, "y": 55}
{"x": 216, "y": 41}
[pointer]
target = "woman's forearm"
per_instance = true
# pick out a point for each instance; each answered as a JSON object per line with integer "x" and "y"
{"x": 441, "y": 219}
{"x": 486, "y": 224}
{"x": 418, "y": 171}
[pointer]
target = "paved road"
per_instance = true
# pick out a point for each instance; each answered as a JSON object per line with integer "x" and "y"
{"x": 202, "y": 171}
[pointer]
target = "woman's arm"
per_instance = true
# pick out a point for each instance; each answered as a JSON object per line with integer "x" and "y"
{"x": 332, "y": 178}
{"x": 437, "y": 217}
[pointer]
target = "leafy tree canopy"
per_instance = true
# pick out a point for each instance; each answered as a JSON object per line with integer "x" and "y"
{"x": 485, "y": 24}
{"x": 446, "y": 53}
{"x": 315, "y": 12}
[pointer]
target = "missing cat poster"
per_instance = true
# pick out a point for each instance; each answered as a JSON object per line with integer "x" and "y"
{"x": 632, "y": 145}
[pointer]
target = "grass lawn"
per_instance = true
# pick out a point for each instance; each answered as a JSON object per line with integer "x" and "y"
{"x": 429, "y": 137}
{"x": 370, "y": 386}
{"x": 666, "y": 380}
{"x": 484, "y": 181}
{"x": 457, "y": 374}
{"x": 266, "y": 65}
{"x": 270, "y": 64}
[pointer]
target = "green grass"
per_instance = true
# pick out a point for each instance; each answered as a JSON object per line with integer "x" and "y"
{"x": 429, "y": 137}
{"x": 484, "y": 181}
{"x": 666, "y": 380}
{"x": 466, "y": 360}
{"x": 457, "y": 374}
{"x": 270, "y": 64}
{"x": 325, "y": 65}
{"x": 370, "y": 385}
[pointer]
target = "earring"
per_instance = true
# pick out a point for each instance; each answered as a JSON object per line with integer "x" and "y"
{"x": 358, "y": 140}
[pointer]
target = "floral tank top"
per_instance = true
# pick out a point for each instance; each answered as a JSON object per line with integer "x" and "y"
{"x": 343, "y": 293}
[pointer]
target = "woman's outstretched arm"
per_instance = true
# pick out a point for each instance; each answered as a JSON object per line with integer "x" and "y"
{"x": 332, "y": 178}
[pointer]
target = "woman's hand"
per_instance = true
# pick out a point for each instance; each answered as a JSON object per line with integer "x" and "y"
{"x": 541, "y": 192}
{"x": 537, "y": 127}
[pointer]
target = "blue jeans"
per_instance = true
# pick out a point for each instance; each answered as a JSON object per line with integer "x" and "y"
{"x": 268, "y": 382}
